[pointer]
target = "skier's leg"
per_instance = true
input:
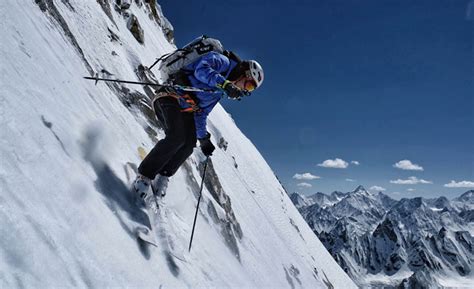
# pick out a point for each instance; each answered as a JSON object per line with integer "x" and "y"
{"x": 186, "y": 150}
{"x": 166, "y": 148}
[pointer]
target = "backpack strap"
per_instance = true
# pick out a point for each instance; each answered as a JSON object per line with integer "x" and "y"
{"x": 193, "y": 107}
{"x": 181, "y": 78}
{"x": 232, "y": 55}
{"x": 184, "y": 53}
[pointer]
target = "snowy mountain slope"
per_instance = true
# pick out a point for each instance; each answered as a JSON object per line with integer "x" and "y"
{"x": 65, "y": 211}
{"x": 411, "y": 242}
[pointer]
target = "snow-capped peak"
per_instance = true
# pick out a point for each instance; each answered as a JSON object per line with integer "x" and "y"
{"x": 466, "y": 197}
{"x": 360, "y": 189}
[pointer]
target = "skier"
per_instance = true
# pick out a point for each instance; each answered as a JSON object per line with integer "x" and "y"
{"x": 184, "y": 114}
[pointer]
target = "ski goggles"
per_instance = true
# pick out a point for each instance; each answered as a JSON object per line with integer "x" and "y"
{"x": 249, "y": 83}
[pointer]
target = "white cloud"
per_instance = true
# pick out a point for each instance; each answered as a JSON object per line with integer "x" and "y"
{"x": 410, "y": 181}
{"x": 306, "y": 177}
{"x": 304, "y": 185}
{"x": 335, "y": 164}
{"x": 461, "y": 184}
{"x": 355, "y": 163}
{"x": 377, "y": 188}
{"x": 350, "y": 180}
{"x": 411, "y": 190}
{"x": 407, "y": 165}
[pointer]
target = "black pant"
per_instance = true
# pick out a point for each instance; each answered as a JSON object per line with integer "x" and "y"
{"x": 169, "y": 153}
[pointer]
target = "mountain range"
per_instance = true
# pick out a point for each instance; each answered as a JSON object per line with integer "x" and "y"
{"x": 380, "y": 241}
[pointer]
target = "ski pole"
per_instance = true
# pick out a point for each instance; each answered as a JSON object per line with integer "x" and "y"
{"x": 121, "y": 81}
{"x": 154, "y": 63}
{"x": 185, "y": 88}
{"x": 199, "y": 201}
{"x": 158, "y": 60}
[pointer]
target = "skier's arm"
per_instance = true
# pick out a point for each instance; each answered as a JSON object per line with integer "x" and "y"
{"x": 200, "y": 120}
{"x": 210, "y": 67}
{"x": 204, "y": 137}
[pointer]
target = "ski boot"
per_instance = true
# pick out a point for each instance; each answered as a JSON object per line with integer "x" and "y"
{"x": 160, "y": 185}
{"x": 141, "y": 186}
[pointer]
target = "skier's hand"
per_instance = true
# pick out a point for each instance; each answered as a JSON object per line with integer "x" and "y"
{"x": 231, "y": 90}
{"x": 206, "y": 145}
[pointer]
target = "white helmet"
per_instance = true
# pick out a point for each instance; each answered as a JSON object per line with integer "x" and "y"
{"x": 256, "y": 72}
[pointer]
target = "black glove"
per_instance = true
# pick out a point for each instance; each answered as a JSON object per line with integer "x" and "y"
{"x": 206, "y": 145}
{"x": 231, "y": 90}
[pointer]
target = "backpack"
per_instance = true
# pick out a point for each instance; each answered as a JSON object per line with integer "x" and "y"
{"x": 172, "y": 63}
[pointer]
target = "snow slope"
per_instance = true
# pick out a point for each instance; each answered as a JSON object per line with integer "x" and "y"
{"x": 65, "y": 212}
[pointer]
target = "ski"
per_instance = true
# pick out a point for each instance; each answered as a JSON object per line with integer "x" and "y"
{"x": 144, "y": 230}
{"x": 170, "y": 248}
{"x": 144, "y": 234}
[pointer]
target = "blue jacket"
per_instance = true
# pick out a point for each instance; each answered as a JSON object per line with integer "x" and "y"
{"x": 207, "y": 72}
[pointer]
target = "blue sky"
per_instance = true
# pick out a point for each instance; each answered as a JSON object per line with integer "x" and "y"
{"x": 376, "y": 82}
